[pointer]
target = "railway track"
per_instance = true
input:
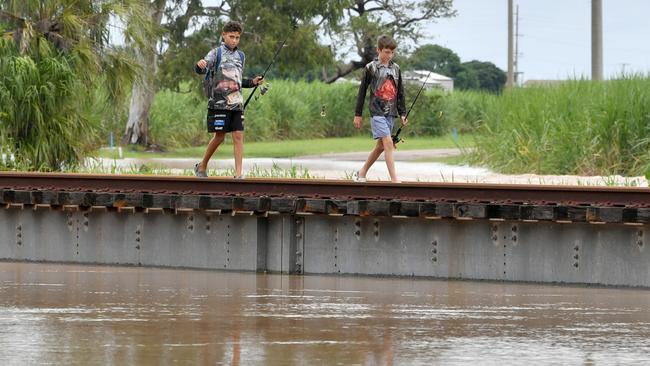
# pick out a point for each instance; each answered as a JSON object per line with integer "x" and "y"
{"x": 417, "y": 199}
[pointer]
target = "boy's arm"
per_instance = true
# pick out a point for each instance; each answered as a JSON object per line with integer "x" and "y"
{"x": 361, "y": 96}
{"x": 251, "y": 83}
{"x": 401, "y": 99}
{"x": 202, "y": 66}
{"x": 198, "y": 69}
{"x": 247, "y": 83}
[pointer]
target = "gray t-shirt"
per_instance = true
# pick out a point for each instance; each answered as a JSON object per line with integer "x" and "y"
{"x": 228, "y": 79}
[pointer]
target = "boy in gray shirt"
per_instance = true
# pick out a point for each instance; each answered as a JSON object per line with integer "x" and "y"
{"x": 226, "y": 63}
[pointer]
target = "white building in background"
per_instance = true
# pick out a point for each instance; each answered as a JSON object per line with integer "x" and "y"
{"x": 434, "y": 81}
{"x": 346, "y": 80}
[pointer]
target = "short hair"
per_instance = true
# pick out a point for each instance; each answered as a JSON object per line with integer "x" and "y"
{"x": 233, "y": 26}
{"x": 386, "y": 42}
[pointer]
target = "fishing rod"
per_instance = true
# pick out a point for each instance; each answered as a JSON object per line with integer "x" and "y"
{"x": 267, "y": 69}
{"x": 395, "y": 137}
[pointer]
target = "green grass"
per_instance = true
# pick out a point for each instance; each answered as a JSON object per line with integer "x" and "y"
{"x": 578, "y": 127}
{"x": 307, "y": 110}
{"x": 276, "y": 171}
{"x": 294, "y": 148}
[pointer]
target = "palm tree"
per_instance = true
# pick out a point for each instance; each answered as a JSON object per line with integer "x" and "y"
{"x": 55, "y": 55}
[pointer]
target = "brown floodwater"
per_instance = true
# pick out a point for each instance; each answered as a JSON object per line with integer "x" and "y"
{"x": 88, "y": 315}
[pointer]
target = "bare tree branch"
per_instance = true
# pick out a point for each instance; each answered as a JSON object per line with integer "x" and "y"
{"x": 344, "y": 70}
{"x": 386, "y": 16}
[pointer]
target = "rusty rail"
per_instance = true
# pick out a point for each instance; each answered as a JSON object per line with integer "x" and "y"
{"x": 626, "y": 205}
{"x": 629, "y": 197}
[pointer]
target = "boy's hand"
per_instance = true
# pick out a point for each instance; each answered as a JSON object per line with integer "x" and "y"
{"x": 357, "y": 121}
{"x": 202, "y": 64}
{"x": 405, "y": 121}
{"x": 258, "y": 80}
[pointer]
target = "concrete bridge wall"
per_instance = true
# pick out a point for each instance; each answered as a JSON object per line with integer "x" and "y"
{"x": 606, "y": 254}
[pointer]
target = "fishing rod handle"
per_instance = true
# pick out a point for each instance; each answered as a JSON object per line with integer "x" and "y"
{"x": 250, "y": 96}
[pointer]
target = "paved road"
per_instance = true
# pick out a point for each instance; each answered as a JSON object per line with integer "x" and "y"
{"x": 400, "y": 155}
{"x": 341, "y": 166}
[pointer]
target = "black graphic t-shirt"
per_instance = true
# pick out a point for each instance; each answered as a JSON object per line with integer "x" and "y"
{"x": 387, "y": 92}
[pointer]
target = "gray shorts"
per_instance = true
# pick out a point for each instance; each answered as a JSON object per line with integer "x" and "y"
{"x": 381, "y": 126}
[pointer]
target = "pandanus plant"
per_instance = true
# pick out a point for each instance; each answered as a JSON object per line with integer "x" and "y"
{"x": 56, "y": 58}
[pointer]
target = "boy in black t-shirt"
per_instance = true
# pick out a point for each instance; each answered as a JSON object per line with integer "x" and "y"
{"x": 386, "y": 102}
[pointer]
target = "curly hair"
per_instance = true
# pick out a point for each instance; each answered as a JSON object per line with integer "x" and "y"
{"x": 233, "y": 26}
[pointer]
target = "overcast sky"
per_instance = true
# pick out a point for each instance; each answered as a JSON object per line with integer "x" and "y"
{"x": 556, "y": 35}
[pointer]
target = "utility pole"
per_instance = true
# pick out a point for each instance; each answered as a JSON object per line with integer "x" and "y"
{"x": 510, "y": 79}
{"x": 596, "y": 39}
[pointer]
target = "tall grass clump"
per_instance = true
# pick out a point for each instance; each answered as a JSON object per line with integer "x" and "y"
{"x": 39, "y": 107}
{"x": 289, "y": 110}
{"x": 436, "y": 112}
{"x": 292, "y": 110}
{"x": 302, "y": 110}
{"x": 178, "y": 119}
{"x": 577, "y": 127}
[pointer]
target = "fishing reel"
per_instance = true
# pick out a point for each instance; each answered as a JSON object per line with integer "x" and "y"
{"x": 263, "y": 90}
{"x": 396, "y": 139}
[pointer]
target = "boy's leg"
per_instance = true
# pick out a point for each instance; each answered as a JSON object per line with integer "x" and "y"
{"x": 381, "y": 130}
{"x": 374, "y": 155}
{"x": 238, "y": 149}
{"x": 388, "y": 156}
{"x": 214, "y": 143}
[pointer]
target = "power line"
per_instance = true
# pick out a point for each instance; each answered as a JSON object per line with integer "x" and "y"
{"x": 516, "y": 73}
{"x": 510, "y": 80}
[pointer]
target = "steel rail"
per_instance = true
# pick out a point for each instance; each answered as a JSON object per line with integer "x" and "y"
{"x": 334, "y": 189}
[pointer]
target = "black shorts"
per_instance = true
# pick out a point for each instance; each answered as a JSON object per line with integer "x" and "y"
{"x": 220, "y": 120}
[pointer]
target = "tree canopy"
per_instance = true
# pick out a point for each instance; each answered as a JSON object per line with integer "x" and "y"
{"x": 435, "y": 58}
{"x": 472, "y": 75}
{"x": 484, "y": 76}
{"x": 193, "y": 29}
